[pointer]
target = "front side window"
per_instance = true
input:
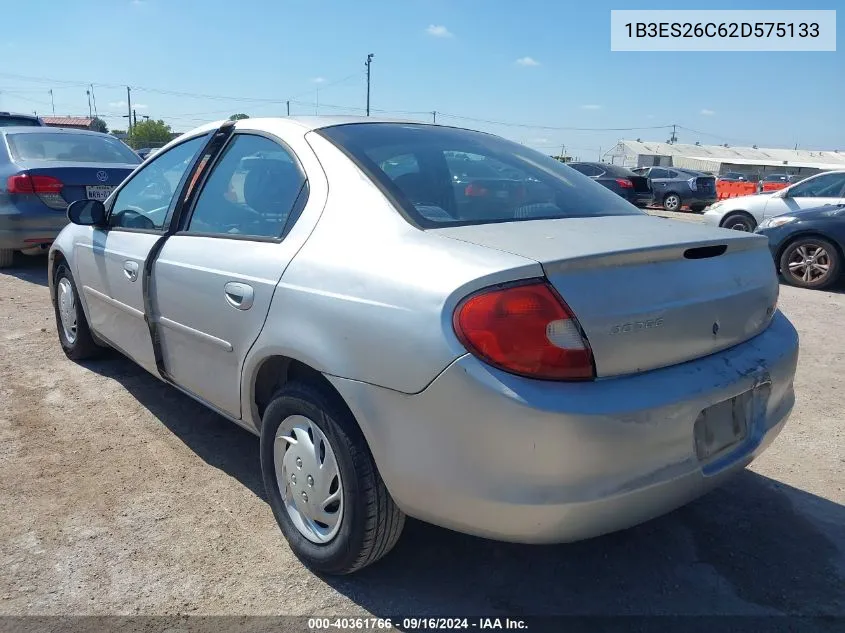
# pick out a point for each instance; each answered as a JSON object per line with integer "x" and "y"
{"x": 826, "y": 186}
{"x": 466, "y": 177}
{"x": 69, "y": 147}
{"x": 251, "y": 191}
{"x": 143, "y": 202}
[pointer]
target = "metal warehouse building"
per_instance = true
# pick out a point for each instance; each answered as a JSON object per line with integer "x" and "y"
{"x": 720, "y": 159}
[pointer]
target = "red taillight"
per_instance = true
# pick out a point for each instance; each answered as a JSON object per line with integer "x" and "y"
{"x": 27, "y": 183}
{"x": 525, "y": 329}
{"x": 624, "y": 183}
{"x": 475, "y": 191}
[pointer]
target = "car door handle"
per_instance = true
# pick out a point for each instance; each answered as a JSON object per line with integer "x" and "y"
{"x": 130, "y": 269}
{"x": 238, "y": 295}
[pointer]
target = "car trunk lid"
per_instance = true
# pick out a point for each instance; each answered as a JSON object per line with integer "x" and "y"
{"x": 640, "y": 184}
{"x": 79, "y": 180}
{"x": 705, "y": 184}
{"x": 648, "y": 292}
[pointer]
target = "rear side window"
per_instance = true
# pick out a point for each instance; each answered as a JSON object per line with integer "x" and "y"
{"x": 252, "y": 190}
{"x": 587, "y": 170}
{"x": 70, "y": 147}
{"x": 441, "y": 176}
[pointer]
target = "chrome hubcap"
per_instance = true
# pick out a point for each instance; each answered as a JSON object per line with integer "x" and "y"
{"x": 809, "y": 263}
{"x": 672, "y": 202}
{"x": 67, "y": 309}
{"x": 308, "y": 478}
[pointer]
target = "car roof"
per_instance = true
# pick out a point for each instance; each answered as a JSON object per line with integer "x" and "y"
{"x": 57, "y": 130}
{"x": 20, "y": 115}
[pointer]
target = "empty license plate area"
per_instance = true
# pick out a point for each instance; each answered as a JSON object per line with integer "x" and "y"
{"x": 723, "y": 425}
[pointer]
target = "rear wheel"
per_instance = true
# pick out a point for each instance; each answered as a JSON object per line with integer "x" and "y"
{"x": 74, "y": 334}
{"x": 739, "y": 222}
{"x": 7, "y": 257}
{"x": 672, "y": 202}
{"x": 322, "y": 483}
{"x": 810, "y": 262}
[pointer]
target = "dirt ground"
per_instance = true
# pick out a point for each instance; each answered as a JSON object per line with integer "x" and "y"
{"x": 119, "y": 495}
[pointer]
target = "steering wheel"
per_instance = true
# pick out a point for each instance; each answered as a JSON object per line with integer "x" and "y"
{"x": 132, "y": 219}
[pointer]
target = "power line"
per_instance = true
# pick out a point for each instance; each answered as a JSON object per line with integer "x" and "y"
{"x": 552, "y": 127}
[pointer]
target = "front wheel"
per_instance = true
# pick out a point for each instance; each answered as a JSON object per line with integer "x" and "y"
{"x": 739, "y": 222}
{"x": 672, "y": 202}
{"x": 74, "y": 334}
{"x": 810, "y": 262}
{"x": 322, "y": 483}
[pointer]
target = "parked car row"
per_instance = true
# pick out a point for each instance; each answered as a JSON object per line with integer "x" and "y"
{"x": 671, "y": 188}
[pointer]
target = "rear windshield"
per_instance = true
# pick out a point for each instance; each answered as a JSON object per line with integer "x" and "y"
{"x": 444, "y": 177}
{"x": 73, "y": 148}
{"x": 19, "y": 121}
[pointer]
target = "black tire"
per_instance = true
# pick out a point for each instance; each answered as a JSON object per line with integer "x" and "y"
{"x": 672, "y": 202}
{"x": 7, "y": 257}
{"x": 739, "y": 222}
{"x": 796, "y": 278}
{"x": 697, "y": 208}
{"x": 83, "y": 345}
{"x": 371, "y": 521}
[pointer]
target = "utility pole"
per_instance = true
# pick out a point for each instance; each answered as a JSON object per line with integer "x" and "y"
{"x": 94, "y": 99}
{"x": 674, "y": 137}
{"x": 134, "y": 117}
{"x": 53, "y": 105}
{"x": 563, "y": 153}
{"x": 129, "y": 106}
{"x": 368, "y": 63}
{"x": 90, "y": 114}
{"x": 434, "y": 116}
{"x": 288, "y": 104}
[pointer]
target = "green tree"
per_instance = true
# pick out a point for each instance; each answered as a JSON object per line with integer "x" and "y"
{"x": 238, "y": 117}
{"x": 98, "y": 125}
{"x": 149, "y": 133}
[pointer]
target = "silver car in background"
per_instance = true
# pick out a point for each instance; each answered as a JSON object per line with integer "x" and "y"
{"x": 527, "y": 357}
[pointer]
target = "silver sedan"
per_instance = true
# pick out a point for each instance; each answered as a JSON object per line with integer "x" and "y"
{"x": 434, "y": 322}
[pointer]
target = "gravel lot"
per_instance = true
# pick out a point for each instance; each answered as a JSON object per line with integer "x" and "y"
{"x": 119, "y": 495}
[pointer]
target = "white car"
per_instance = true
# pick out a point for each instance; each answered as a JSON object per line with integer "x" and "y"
{"x": 745, "y": 213}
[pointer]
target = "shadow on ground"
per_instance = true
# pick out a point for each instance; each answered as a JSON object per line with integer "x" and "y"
{"x": 31, "y": 268}
{"x": 755, "y": 546}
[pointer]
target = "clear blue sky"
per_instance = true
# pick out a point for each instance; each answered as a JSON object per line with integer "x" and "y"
{"x": 453, "y": 56}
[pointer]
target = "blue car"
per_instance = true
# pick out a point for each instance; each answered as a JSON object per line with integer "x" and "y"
{"x": 808, "y": 245}
{"x": 42, "y": 170}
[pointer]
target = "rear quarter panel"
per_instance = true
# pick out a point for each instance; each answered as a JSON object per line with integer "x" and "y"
{"x": 370, "y": 297}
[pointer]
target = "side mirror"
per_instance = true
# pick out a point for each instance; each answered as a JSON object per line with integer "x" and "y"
{"x": 87, "y": 213}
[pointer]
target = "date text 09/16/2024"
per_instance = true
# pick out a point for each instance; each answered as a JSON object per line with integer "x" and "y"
{"x": 419, "y": 624}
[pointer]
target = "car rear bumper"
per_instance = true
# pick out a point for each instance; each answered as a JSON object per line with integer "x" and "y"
{"x": 700, "y": 200}
{"x": 487, "y": 453}
{"x": 640, "y": 199}
{"x": 20, "y": 230}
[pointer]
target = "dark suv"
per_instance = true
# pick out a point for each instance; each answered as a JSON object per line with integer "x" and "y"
{"x": 9, "y": 119}
{"x": 673, "y": 188}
